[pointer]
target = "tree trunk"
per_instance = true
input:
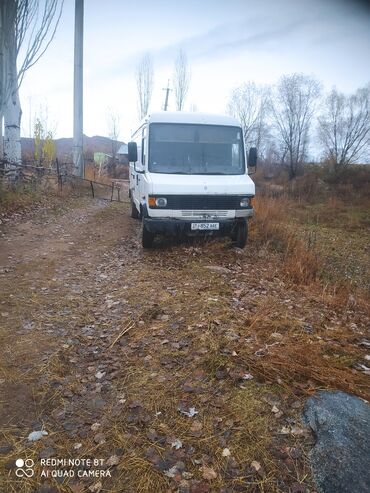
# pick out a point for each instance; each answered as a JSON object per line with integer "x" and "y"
{"x": 3, "y": 83}
{"x": 292, "y": 166}
{"x": 12, "y": 141}
{"x": 12, "y": 111}
{"x": 1, "y": 138}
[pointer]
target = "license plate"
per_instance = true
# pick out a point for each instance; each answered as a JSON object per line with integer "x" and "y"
{"x": 205, "y": 226}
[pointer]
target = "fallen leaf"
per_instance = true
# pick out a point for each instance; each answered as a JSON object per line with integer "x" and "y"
{"x": 191, "y": 413}
{"x": 209, "y": 473}
{"x": 247, "y": 376}
{"x": 299, "y": 431}
{"x": 36, "y": 435}
{"x": 196, "y": 428}
{"x": 99, "y": 438}
{"x": 112, "y": 461}
{"x": 187, "y": 475}
{"x": 96, "y": 488}
{"x": 171, "y": 473}
{"x": 176, "y": 444}
{"x": 256, "y": 465}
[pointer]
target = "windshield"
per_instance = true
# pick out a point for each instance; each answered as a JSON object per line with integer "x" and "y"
{"x": 195, "y": 149}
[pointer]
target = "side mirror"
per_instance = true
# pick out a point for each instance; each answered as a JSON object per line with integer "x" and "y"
{"x": 132, "y": 152}
{"x": 252, "y": 157}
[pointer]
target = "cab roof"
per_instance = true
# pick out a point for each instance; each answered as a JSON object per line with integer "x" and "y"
{"x": 191, "y": 117}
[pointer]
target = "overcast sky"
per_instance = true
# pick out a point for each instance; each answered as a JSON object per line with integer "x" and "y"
{"x": 227, "y": 43}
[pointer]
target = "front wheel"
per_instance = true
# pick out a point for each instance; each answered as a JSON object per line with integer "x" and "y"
{"x": 147, "y": 237}
{"x": 242, "y": 234}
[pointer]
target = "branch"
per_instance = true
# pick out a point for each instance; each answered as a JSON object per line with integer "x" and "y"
{"x": 41, "y": 34}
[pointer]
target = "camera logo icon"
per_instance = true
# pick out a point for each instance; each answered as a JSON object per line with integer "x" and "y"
{"x": 24, "y": 468}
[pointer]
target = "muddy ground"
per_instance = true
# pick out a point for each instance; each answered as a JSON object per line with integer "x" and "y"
{"x": 183, "y": 368}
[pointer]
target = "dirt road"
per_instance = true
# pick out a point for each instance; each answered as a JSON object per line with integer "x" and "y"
{"x": 183, "y": 368}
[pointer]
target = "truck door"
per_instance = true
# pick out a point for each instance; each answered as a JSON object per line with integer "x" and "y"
{"x": 138, "y": 179}
{"x": 142, "y": 178}
{"x": 135, "y": 177}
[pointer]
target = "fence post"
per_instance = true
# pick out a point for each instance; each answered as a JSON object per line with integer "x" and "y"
{"x": 58, "y": 175}
{"x": 111, "y": 198}
{"x": 92, "y": 189}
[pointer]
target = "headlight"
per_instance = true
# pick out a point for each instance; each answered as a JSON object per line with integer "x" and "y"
{"x": 245, "y": 202}
{"x": 161, "y": 202}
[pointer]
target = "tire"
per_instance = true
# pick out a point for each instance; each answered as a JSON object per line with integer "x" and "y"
{"x": 147, "y": 238}
{"x": 134, "y": 212}
{"x": 242, "y": 234}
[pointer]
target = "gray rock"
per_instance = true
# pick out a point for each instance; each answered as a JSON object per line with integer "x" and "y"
{"x": 341, "y": 426}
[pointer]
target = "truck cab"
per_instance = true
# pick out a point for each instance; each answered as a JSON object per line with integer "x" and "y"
{"x": 188, "y": 176}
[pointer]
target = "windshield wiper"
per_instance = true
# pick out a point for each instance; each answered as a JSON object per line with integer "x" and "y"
{"x": 177, "y": 173}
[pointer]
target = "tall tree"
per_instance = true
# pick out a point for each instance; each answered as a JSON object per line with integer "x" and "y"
{"x": 292, "y": 107}
{"x": 344, "y": 127}
{"x": 144, "y": 84}
{"x": 248, "y": 103}
{"x": 181, "y": 79}
{"x": 6, "y": 21}
{"x": 30, "y": 28}
{"x": 113, "y": 133}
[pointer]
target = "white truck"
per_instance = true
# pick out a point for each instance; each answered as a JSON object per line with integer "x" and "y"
{"x": 188, "y": 176}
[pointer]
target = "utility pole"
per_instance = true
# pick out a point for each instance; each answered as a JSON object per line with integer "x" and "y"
{"x": 78, "y": 153}
{"x": 167, "y": 89}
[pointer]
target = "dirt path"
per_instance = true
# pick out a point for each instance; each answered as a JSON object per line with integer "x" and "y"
{"x": 183, "y": 368}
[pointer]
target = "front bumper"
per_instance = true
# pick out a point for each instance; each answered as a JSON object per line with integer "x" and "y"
{"x": 180, "y": 227}
{"x": 197, "y": 214}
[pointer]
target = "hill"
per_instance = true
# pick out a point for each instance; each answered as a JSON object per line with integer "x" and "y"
{"x": 93, "y": 144}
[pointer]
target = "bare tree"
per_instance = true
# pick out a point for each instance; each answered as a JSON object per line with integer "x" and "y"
{"x": 248, "y": 103}
{"x": 6, "y": 20}
{"x": 113, "y": 133}
{"x": 144, "y": 83}
{"x": 344, "y": 127}
{"x": 30, "y": 28}
{"x": 292, "y": 107}
{"x": 181, "y": 79}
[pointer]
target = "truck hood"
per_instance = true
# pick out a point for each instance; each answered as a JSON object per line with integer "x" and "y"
{"x": 166, "y": 184}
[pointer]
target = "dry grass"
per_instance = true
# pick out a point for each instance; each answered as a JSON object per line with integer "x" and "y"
{"x": 91, "y": 173}
{"x": 13, "y": 200}
{"x": 195, "y": 334}
{"x": 274, "y": 228}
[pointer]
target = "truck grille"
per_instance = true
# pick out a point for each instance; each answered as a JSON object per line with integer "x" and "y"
{"x": 204, "y": 202}
{"x": 202, "y": 213}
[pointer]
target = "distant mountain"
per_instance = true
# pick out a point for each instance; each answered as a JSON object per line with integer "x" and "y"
{"x": 64, "y": 147}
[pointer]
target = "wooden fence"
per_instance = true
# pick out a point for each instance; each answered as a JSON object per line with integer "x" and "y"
{"x": 32, "y": 176}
